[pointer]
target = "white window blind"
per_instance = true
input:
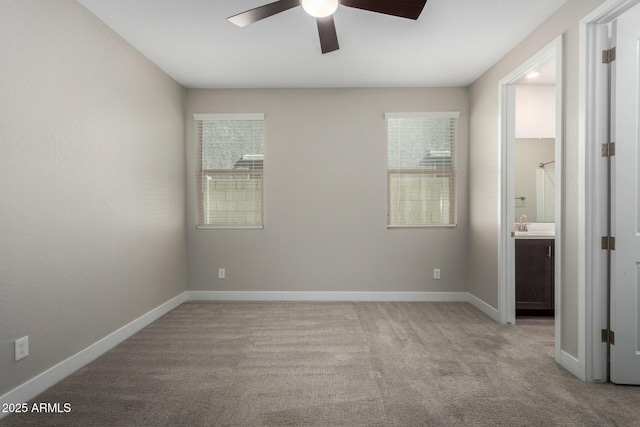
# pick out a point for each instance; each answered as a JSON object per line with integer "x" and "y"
{"x": 421, "y": 169}
{"x": 230, "y": 170}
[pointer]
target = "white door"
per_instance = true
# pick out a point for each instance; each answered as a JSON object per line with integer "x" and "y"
{"x": 625, "y": 259}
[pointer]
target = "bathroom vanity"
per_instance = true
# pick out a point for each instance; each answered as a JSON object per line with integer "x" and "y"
{"x": 535, "y": 272}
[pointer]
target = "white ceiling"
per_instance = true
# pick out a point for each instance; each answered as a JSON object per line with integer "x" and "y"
{"x": 451, "y": 44}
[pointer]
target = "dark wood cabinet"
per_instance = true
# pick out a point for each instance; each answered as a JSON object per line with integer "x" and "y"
{"x": 534, "y": 276}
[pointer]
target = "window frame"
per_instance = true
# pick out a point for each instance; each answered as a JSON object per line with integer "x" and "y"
{"x": 452, "y": 171}
{"x": 200, "y": 172}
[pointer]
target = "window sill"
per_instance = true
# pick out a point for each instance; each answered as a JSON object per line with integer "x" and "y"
{"x": 229, "y": 227}
{"x": 422, "y": 226}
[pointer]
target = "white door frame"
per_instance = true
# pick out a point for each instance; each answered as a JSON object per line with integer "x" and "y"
{"x": 506, "y": 243}
{"x": 593, "y": 128}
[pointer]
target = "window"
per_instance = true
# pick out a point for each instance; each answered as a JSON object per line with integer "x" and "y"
{"x": 230, "y": 170}
{"x": 421, "y": 169}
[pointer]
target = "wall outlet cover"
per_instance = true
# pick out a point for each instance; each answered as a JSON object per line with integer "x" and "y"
{"x": 22, "y": 348}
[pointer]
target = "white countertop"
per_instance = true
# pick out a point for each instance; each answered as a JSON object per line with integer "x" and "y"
{"x": 534, "y": 235}
{"x": 538, "y": 230}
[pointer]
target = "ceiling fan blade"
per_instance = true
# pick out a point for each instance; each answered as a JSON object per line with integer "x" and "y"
{"x": 410, "y": 9}
{"x": 250, "y": 16}
{"x": 328, "y": 35}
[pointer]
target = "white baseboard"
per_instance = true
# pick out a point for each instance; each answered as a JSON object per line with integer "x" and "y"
{"x": 327, "y": 296}
{"x": 484, "y": 307}
{"x": 51, "y": 376}
{"x": 572, "y": 365}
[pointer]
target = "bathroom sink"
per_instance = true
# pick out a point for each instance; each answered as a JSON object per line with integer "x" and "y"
{"x": 537, "y": 230}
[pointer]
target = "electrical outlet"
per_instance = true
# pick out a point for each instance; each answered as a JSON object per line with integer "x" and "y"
{"x": 436, "y": 273}
{"x": 22, "y": 347}
{"x": 221, "y": 273}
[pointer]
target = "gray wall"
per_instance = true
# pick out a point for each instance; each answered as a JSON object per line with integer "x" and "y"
{"x": 92, "y": 196}
{"x": 325, "y": 197}
{"x": 483, "y": 167}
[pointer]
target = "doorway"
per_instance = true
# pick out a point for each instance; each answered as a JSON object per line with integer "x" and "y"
{"x": 514, "y": 206}
{"x": 535, "y": 179}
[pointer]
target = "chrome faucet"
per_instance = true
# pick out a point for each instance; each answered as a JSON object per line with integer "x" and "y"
{"x": 522, "y": 225}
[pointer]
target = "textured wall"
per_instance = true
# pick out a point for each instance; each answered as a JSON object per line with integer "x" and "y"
{"x": 92, "y": 195}
{"x": 325, "y": 197}
{"x": 484, "y": 164}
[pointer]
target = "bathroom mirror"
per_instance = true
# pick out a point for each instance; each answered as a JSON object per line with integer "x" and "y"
{"x": 535, "y": 179}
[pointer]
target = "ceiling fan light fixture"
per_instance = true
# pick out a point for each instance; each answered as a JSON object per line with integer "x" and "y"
{"x": 320, "y": 8}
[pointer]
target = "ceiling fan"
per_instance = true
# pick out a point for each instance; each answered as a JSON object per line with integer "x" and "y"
{"x": 323, "y": 11}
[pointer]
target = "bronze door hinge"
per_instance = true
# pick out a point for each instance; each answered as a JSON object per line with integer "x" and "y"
{"x": 609, "y": 243}
{"x": 609, "y": 55}
{"x": 608, "y": 336}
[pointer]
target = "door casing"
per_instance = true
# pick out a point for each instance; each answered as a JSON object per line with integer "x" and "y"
{"x": 506, "y": 244}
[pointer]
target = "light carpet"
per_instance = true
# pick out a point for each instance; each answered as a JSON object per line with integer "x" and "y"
{"x": 331, "y": 364}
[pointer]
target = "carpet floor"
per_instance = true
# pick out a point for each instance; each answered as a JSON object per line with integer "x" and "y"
{"x": 331, "y": 364}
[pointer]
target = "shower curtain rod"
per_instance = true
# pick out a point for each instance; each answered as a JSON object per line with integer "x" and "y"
{"x": 542, "y": 165}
